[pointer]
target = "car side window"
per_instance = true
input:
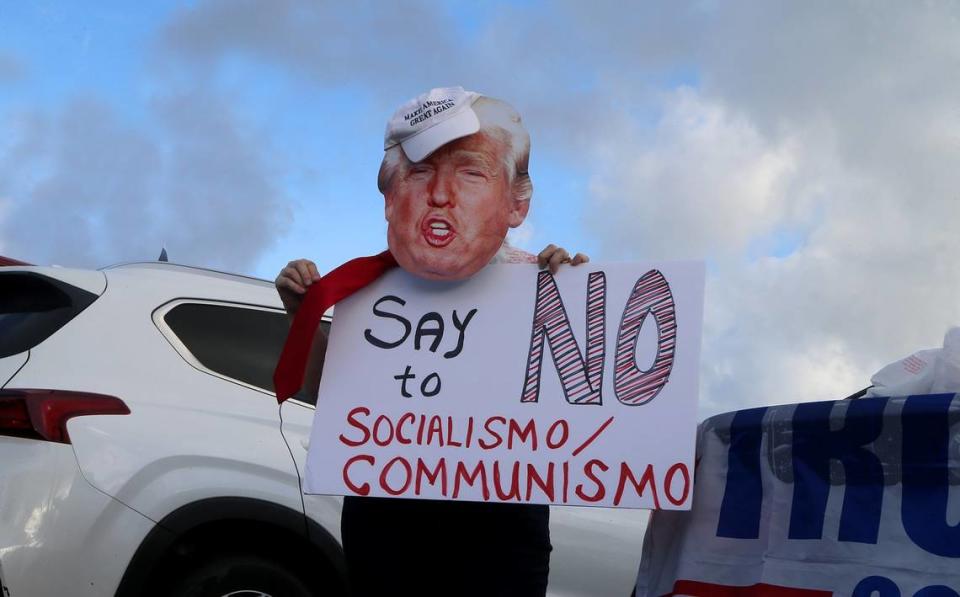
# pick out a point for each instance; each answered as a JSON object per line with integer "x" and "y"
{"x": 236, "y": 342}
{"x": 33, "y": 307}
{"x": 303, "y": 395}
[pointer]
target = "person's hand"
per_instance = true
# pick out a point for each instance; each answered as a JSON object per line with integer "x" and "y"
{"x": 293, "y": 281}
{"x": 553, "y": 256}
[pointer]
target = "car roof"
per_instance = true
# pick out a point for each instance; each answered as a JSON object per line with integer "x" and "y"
{"x": 158, "y": 280}
{"x": 163, "y": 281}
{"x": 190, "y": 270}
{"x": 86, "y": 279}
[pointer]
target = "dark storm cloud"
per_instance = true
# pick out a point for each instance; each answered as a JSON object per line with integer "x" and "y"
{"x": 705, "y": 129}
{"x": 84, "y": 188}
{"x": 222, "y": 198}
{"x": 80, "y": 186}
{"x": 836, "y": 119}
{"x": 387, "y": 45}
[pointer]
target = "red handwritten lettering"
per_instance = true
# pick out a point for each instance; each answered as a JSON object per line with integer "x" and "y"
{"x": 407, "y": 476}
{"x": 479, "y": 475}
{"x": 498, "y": 439}
{"x": 400, "y": 437}
{"x": 436, "y": 430}
{"x": 646, "y": 479}
{"x": 528, "y": 431}
{"x": 514, "y": 493}
{"x": 383, "y": 421}
{"x": 353, "y": 422}
{"x": 432, "y": 476}
{"x": 450, "y": 441}
{"x": 364, "y": 488}
{"x": 668, "y": 483}
{"x": 556, "y": 444}
{"x": 545, "y": 485}
{"x": 588, "y": 471}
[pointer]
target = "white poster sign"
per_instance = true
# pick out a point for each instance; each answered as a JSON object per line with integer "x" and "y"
{"x": 515, "y": 386}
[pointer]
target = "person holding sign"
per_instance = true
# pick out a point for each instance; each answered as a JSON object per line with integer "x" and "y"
{"x": 454, "y": 179}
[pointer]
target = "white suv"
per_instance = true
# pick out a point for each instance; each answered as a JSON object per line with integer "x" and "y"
{"x": 144, "y": 453}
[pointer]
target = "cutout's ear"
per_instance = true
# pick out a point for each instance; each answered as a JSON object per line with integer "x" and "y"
{"x": 522, "y": 188}
{"x": 388, "y": 204}
{"x": 522, "y": 191}
{"x": 518, "y": 213}
{"x": 389, "y": 169}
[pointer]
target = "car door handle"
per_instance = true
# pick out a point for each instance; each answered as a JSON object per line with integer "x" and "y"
{"x": 305, "y": 443}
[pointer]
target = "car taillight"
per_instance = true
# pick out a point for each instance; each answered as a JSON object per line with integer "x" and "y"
{"x": 43, "y": 414}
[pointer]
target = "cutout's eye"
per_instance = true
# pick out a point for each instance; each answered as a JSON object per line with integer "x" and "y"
{"x": 474, "y": 174}
{"x": 419, "y": 170}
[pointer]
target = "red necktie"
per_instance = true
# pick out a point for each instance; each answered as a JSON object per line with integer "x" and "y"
{"x": 321, "y": 295}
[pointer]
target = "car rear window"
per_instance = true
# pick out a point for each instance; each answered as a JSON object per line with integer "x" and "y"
{"x": 238, "y": 342}
{"x": 33, "y": 307}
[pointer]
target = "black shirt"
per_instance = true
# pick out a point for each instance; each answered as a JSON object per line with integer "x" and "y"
{"x": 445, "y": 548}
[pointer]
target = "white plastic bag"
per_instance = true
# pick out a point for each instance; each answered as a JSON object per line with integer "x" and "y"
{"x": 932, "y": 371}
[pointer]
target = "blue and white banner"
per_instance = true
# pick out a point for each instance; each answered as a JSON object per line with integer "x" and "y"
{"x": 857, "y": 498}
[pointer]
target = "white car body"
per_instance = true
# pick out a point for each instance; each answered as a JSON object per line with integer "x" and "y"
{"x": 203, "y": 464}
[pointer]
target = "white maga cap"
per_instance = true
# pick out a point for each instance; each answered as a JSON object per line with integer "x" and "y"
{"x": 431, "y": 120}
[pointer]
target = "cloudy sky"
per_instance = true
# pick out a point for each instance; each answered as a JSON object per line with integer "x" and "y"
{"x": 808, "y": 151}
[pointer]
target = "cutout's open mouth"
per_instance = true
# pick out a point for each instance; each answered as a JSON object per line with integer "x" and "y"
{"x": 438, "y": 232}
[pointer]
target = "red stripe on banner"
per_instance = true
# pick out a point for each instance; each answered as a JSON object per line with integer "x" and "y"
{"x": 694, "y": 588}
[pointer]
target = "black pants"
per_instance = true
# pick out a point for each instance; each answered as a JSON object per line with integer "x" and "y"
{"x": 427, "y": 548}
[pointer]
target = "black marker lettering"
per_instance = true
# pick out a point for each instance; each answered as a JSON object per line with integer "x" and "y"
{"x": 436, "y": 332}
{"x": 368, "y": 333}
{"x": 462, "y": 328}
